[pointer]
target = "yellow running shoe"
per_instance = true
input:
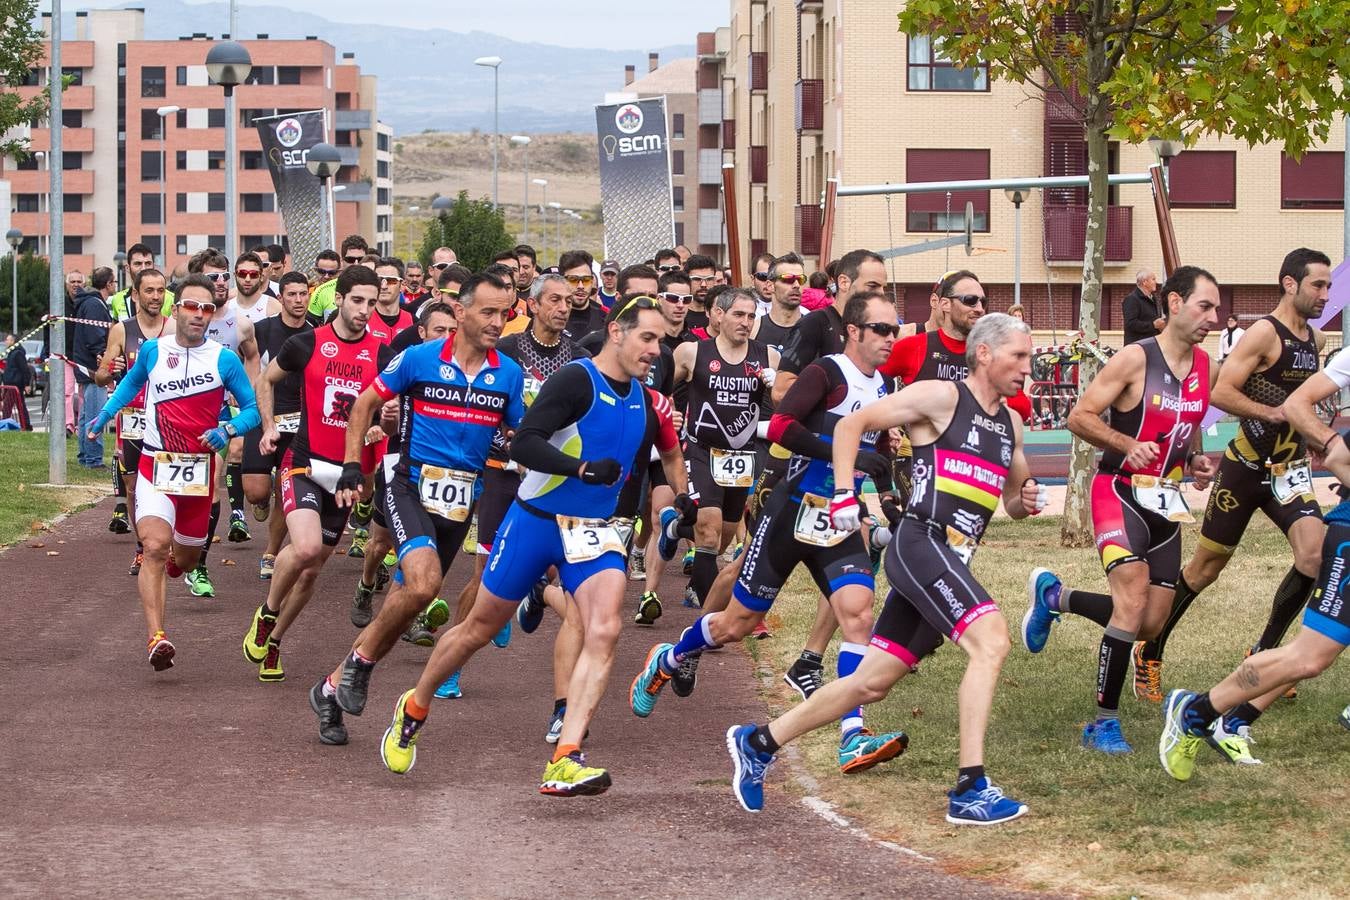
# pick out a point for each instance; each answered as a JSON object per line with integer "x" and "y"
{"x": 399, "y": 747}
{"x": 436, "y": 614}
{"x": 1147, "y": 675}
{"x": 270, "y": 668}
{"x": 1177, "y": 747}
{"x": 571, "y": 777}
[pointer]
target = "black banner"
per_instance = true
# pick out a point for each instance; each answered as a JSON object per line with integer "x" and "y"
{"x": 635, "y": 179}
{"x": 286, "y": 142}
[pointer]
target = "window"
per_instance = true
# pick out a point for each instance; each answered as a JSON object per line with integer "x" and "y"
{"x": 181, "y": 118}
{"x": 150, "y": 166}
{"x": 150, "y": 210}
{"x": 72, "y": 161}
{"x": 34, "y": 78}
{"x": 215, "y": 118}
{"x": 216, "y": 203}
{"x": 382, "y": 168}
{"x": 261, "y": 75}
{"x": 383, "y": 196}
{"x": 929, "y": 211}
{"x": 677, "y": 125}
{"x": 180, "y": 200}
{"x": 180, "y": 160}
{"x": 677, "y": 198}
{"x": 151, "y": 241}
{"x": 152, "y": 81}
{"x": 74, "y": 245}
{"x": 288, "y": 74}
{"x": 180, "y": 76}
{"x": 258, "y": 202}
{"x": 677, "y": 162}
{"x": 251, "y": 159}
{"x": 1317, "y": 181}
{"x": 215, "y": 160}
{"x": 150, "y": 125}
{"x": 72, "y": 118}
{"x": 76, "y": 76}
{"x": 382, "y": 142}
{"x": 28, "y": 164}
{"x": 679, "y": 233}
{"x": 28, "y": 203}
{"x": 72, "y": 203}
{"x": 1203, "y": 179}
{"x": 930, "y": 70}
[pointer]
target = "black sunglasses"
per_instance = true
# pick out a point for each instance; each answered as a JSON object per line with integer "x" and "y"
{"x": 885, "y": 329}
{"x": 761, "y": 276}
{"x": 353, "y": 259}
{"x": 969, "y": 300}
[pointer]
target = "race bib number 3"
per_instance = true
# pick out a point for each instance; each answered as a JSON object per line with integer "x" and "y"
{"x": 447, "y": 493}
{"x": 133, "y": 424}
{"x": 1290, "y": 481}
{"x": 586, "y": 539}
{"x": 1163, "y": 497}
{"x": 813, "y": 523}
{"x": 182, "y": 474}
{"x": 732, "y": 468}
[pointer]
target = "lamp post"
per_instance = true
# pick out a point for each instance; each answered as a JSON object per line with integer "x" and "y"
{"x": 164, "y": 113}
{"x": 413, "y": 248}
{"x": 1018, "y": 196}
{"x": 1166, "y": 150}
{"x": 543, "y": 221}
{"x": 120, "y": 260}
{"x": 228, "y": 65}
{"x": 557, "y": 224}
{"x": 524, "y": 141}
{"x": 494, "y": 63}
{"x": 323, "y": 162}
{"x": 15, "y": 238}
{"x": 439, "y": 207}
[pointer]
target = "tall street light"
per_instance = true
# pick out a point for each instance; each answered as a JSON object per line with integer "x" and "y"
{"x": 15, "y": 238}
{"x": 543, "y": 204}
{"x": 493, "y": 63}
{"x": 439, "y": 208}
{"x": 228, "y": 65}
{"x": 164, "y": 113}
{"x": 120, "y": 261}
{"x": 323, "y": 162}
{"x": 524, "y": 141}
{"x": 557, "y": 222}
{"x": 1018, "y": 197}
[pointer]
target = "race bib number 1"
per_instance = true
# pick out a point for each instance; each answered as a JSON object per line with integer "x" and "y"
{"x": 1290, "y": 481}
{"x": 133, "y": 424}
{"x": 732, "y": 468}
{"x": 1163, "y": 497}
{"x": 182, "y": 474}
{"x": 586, "y": 539}
{"x": 813, "y": 523}
{"x": 447, "y": 493}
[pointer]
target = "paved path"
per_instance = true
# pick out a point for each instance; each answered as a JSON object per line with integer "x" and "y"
{"x": 203, "y": 782}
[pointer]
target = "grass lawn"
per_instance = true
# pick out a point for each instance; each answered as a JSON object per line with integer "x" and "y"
{"x": 23, "y": 508}
{"x": 1113, "y": 827}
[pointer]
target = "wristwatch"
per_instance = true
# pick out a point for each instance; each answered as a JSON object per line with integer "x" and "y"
{"x": 231, "y": 430}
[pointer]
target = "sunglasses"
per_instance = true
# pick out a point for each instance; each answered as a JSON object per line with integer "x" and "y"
{"x": 580, "y": 280}
{"x": 200, "y": 306}
{"x": 450, "y": 292}
{"x": 885, "y": 329}
{"x": 390, "y": 279}
{"x": 251, "y": 275}
{"x": 218, "y": 276}
{"x": 970, "y": 300}
{"x": 668, "y": 268}
{"x": 761, "y": 276}
{"x": 437, "y": 266}
{"x": 790, "y": 279}
{"x": 353, "y": 260}
{"x": 702, "y": 279}
{"x": 641, "y": 301}
{"x": 681, "y": 299}
{"x": 326, "y": 273}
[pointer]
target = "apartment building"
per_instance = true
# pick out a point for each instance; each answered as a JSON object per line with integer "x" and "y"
{"x": 823, "y": 88}
{"x": 131, "y": 173}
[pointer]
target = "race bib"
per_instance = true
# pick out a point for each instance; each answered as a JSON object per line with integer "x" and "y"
{"x": 531, "y": 389}
{"x": 287, "y": 423}
{"x": 1290, "y": 481}
{"x": 732, "y": 468}
{"x": 447, "y": 493}
{"x": 133, "y": 424}
{"x": 1158, "y": 495}
{"x": 182, "y": 474}
{"x": 586, "y": 539}
{"x": 813, "y": 523}
{"x": 624, "y": 527}
{"x": 962, "y": 545}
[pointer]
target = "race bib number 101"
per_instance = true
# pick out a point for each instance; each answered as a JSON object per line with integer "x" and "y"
{"x": 447, "y": 493}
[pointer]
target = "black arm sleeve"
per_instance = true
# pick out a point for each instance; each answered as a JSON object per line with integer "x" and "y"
{"x": 805, "y": 396}
{"x": 562, "y": 401}
{"x": 296, "y": 352}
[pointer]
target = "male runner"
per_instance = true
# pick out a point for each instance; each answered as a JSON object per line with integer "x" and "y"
{"x": 389, "y": 319}
{"x": 323, "y": 300}
{"x": 123, "y": 303}
{"x": 794, "y": 525}
{"x": 762, "y": 276}
{"x": 527, "y": 268}
{"x": 185, "y": 377}
{"x": 250, "y": 281}
{"x": 584, "y": 316}
{"x": 967, "y": 455}
{"x": 335, "y": 363}
{"x": 1154, "y": 394}
{"x": 414, "y": 292}
{"x": 609, "y": 283}
{"x": 1265, "y": 466}
{"x": 777, "y": 325}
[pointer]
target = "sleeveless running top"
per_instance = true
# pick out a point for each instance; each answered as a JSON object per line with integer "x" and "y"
{"x": 538, "y": 363}
{"x": 940, "y": 363}
{"x": 1168, "y": 413}
{"x": 225, "y": 330}
{"x": 131, "y": 348}
{"x": 959, "y": 478}
{"x": 335, "y": 375}
{"x": 850, "y": 390}
{"x": 255, "y": 313}
{"x": 779, "y": 337}
{"x": 724, "y": 398}
{"x": 272, "y": 334}
{"x": 386, "y": 331}
{"x": 1258, "y": 441}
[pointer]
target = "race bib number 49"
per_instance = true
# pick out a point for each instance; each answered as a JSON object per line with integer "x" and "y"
{"x": 586, "y": 539}
{"x": 813, "y": 523}
{"x": 182, "y": 474}
{"x": 732, "y": 468}
{"x": 447, "y": 493}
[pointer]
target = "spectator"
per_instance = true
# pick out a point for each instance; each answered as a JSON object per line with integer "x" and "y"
{"x": 1140, "y": 309}
{"x": 816, "y": 295}
{"x": 1229, "y": 337}
{"x": 1017, "y": 312}
{"x": 17, "y": 375}
{"x": 87, "y": 343}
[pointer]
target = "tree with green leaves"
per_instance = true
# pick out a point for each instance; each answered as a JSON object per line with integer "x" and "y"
{"x": 472, "y": 228}
{"x": 1263, "y": 71}
{"x": 20, "y": 53}
{"x": 34, "y": 284}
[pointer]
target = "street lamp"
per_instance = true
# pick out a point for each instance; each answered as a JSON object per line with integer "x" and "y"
{"x": 1166, "y": 150}
{"x": 323, "y": 162}
{"x": 228, "y": 65}
{"x": 120, "y": 260}
{"x": 164, "y": 113}
{"x": 493, "y": 63}
{"x": 523, "y": 141}
{"x": 412, "y": 209}
{"x": 439, "y": 207}
{"x": 15, "y": 238}
{"x": 543, "y": 216}
{"x": 1018, "y": 196}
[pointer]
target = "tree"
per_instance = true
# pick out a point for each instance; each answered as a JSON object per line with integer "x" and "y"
{"x": 472, "y": 228}
{"x": 1269, "y": 70}
{"x": 34, "y": 285}
{"x": 20, "y": 53}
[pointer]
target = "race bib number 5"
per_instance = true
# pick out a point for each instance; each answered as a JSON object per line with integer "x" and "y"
{"x": 586, "y": 539}
{"x": 182, "y": 474}
{"x": 813, "y": 523}
{"x": 1163, "y": 497}
{"x": 732, "y": 468}
{"x": 447, "y": 493}
{"x": 1290, "y": 481}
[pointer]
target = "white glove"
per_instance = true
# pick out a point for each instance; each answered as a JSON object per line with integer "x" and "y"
{"x": 845, "y": 512}
{"x": 768, "y": 376}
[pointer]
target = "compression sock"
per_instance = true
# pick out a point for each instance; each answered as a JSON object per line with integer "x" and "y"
{"x": 1290, "y": 597}
{"x": 966, "y": 777}
{"x": 811, "y": 659}
{"x": 704, "y": 573}
{"x": 1240, "y": 716}
{"x": 1181, "y": 601}
{"x": 1112, "y": 662}
{"x": 210, "y": 532}
{"x": 761, "y": 740}
{"x": 695, "y": 639}
{"x": 362, "y": 511}
{"x": 850, "y": 656}
{"x": 559, "y": 704}
{"x": 119, "y": 485}
{"x": 1097, "y": 607}
{"x": 1198, "y": 715}
{"x": 234, "y": 485}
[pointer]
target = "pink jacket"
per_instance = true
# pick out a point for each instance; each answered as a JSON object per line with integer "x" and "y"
{"x": 815, "y": 298}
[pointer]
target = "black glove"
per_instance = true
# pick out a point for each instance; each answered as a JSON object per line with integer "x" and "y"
{"x": 890, "y": 508}
{"x": 877, "y": 467}
{"x": 688, "y": 508}
{"x": 601, "y": 471}
{"x": 352, "y": 478}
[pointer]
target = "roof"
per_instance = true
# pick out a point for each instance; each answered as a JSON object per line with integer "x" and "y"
{"x": 679, "y": 76}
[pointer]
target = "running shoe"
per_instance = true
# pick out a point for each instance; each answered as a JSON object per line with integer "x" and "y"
{"x": 266, "y": 567}
{"x": 261, "y": 511}
{"x": 555, "y": 724}
{"x": 805, "y": 678}
{"x": 238, "y": 528}
{"x": 199, "y": 582}
{"x": 863, "y": 750}
{"x": 649, "y": 609}
{"x": 687, "y": 564}
{"x": 1147, "y": 675}
{"x": 667, "y": 544}
{"x": 530, "y": 612}
{"x": 354, "y": 685}
{"x": 690, "y": 600}
{"x": 983, "y": 804}
{"x": 502, "y": 639}
{"x": 761, "y": 631}
{"x": 648, "y": 683}
{"x": 1104, "y": 736}
{"x": 1233, "y": 746}
{"x": 571, "y": 777}
{"x": 398, "y": 749}
{"x": 1177, "y": 747}
{"x": 637, "y": 565}
{"x": 436, "y": 614}
{"x": 360, "y": 537}
{"x": 361, "y": 604}
{"x": 161, "y": 652}
{"x": 449, "y": 689}
{"x": 1345, "y": 718}
{"x": 120, "y": 524}
{"x": 270, "y": 668}
{"x": 419, "y": 634}
{"x": 748, "y": 767}
{"x": 256, "y": 640}
{"x": 1041, "y": 586}
{"x": 331, "y": 728}
{"x": 135, "y": 568}
{"x": 383, "y": 571}
{"x": 685, "y": 677}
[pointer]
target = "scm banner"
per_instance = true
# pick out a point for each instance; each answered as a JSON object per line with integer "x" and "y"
{"x": 635, "y": 179}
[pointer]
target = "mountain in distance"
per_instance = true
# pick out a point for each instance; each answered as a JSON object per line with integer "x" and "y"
{"x": 427, "y": 79}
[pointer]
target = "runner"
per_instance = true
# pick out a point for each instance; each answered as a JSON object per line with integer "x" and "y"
{"x": 777, "y": 326}
{"x": 968, "y": 455}
{"x": 414, "y": 292}
{"x": 527, "y": 269}
{"x": 185, "y": 377}
{"x": 763, "y": 282}
{"x": 123, "y": 303}
{"x": 335, "y": 363}
{"x": 389, "y": 319}
{"x": 456, "y": 393}
{"x": 702, "y": 272}
{"x": 1265, "y": 466}
{"x": 1154, "y": 394}
{"x": 609, "y": 283}
{"x": 250, "y": 283}
{"x": 323, "y": 301}
{"x": 794, "y": 528}
{"x": 584, "y": 316}
{"x": 578, "y": 442}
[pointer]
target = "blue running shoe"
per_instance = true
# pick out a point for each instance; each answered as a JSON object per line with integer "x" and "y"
{"x": 449, "y": 690}
{"x": 1104, "y": 736}
{"x": 530, "y": 613}
{"x": 648, "y": 683}
{"x": 983, "y": 804}
{"x": 748, "y": 768}
{"x": 502, "y": 638}
{"x": 667, "y": 543}
{"x": 1042, "y": 586}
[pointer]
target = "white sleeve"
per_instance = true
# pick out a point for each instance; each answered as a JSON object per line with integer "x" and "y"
{"x": 1339, "y": 369}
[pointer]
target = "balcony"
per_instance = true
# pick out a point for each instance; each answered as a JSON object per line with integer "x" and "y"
{"x": 810, "y": 6}
{"x": 810, "y": 101}
{"x": 759, "y": 164}
{"x": 73, "y": 140}
{"x": 710, "y": 230}
{"x": 709, "y": 106}
{"x": 350, "y": 156}
{"x": 1066, "y": 230}
{"x": 759, "y": 70}
{"x": 351, "y": 120}
{"x": 807, "y": 227}
{"x": 78, "y": 96}
{"x": 710, "y": 166}
{"x": 77, "y": 223}
{"x": 353, "y": 192}
{"x": 728, "y": 134}
{"x": 73, "y": 181}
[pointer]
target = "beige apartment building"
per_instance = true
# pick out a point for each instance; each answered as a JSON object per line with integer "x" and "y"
{"x": 121, "y": 156}
{"x": 822, "y": 88}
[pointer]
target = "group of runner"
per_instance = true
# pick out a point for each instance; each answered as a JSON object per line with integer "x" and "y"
{"x": 590, "y": 417}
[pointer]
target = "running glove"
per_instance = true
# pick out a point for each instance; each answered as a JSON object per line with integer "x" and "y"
{"x": 845, "y": 513}
{"x": 877, "y": 467}
{"x": 217, "y": 438}
{"x": 351, "y": 478}
{"x": 688, "y": 508}
{"x": 601, "y": 471}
